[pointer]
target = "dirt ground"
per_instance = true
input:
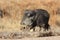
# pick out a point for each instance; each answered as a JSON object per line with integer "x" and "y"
{"x": 44, "y": 38}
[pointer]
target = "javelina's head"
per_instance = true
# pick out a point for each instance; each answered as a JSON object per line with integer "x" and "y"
{"x": 28, "y": 17}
